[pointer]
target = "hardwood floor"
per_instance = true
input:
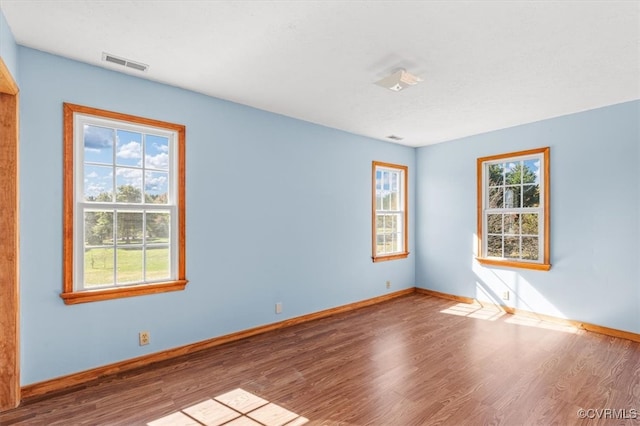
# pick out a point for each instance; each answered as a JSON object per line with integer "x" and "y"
{"x": 414, "y": 360}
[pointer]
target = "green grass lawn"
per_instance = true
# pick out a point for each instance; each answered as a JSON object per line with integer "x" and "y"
{"x": 98, "y": 265}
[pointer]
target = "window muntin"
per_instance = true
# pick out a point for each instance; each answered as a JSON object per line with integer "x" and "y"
{"x": 389, "y": 219}
{"x": 513, "y": 206}
{"x": 124, "y": 205}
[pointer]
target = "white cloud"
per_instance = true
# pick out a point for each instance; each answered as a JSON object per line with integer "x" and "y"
{"x": 161, "y": 148}
{"x": 129, "y": 177}
{"x": 155, "y": 182}
{"x": 95, "y": 189}
{"x": 130, "y": 150}
{"x": 160, "y": 161}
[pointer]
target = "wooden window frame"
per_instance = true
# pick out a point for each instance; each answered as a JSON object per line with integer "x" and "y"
{"x": 404, "y": 253}
{"x": 70, "y": 294}
{"x": 544, "y": 264}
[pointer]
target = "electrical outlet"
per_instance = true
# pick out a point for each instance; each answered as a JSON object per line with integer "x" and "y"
{"x": 279, "y": 308}
{"x": 388, "y": 284}
{"x": 144, "y": 338}
{"x": 505, "y": 295}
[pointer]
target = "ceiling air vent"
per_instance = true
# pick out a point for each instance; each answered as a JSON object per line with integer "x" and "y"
{"x": 107, "y": 57}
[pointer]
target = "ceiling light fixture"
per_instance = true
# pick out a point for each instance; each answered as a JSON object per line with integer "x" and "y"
{"x": 399, "y": 80}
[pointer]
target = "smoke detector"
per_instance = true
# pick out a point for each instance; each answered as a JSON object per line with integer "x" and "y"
{"x": 399, "y": 80}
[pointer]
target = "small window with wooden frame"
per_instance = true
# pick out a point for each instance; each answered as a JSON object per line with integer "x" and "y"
{"x": 513, "y": 210}
{"x": 124, "y": 205}
{"x": 389, "y": 212}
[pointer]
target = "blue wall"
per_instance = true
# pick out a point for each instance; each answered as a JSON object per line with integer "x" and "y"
{"x": 595, "y": 218}
{"x": 278, "y": 210}
{"x": 8, "y": 48}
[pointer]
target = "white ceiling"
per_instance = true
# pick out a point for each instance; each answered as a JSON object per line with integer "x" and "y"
{"x": 486, "y": 65}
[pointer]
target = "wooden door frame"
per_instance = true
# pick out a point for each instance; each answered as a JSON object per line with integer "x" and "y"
{"x": 9, "y": 243}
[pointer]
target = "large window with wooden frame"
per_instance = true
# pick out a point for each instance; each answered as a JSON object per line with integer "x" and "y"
{"x": 389, "y": 212}
{"x": 124, "y": 205}
{"x": 513, "y": 209}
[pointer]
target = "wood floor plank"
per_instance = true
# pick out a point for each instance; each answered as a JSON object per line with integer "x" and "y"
{"x": 414, "y": 360}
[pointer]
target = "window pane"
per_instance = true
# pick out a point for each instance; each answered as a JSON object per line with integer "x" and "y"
{"x": 496, "y": 177}
{"x": 98, "y": 266}
{"x": 156, "y": 187}
{"x": 395, "y": 182}
{"x": 494, "y": 224}
{"x": 129, "y": 261}
{"x": 531, "y": 196}
{"x": 512, "y": 247}
{"x": 129, "y": 148}
{"x": 531, "y": 171}
{"x": 158, "y": 227}
{"x": 156, "y": 152}
{"x": 98, "y": 228}
{"x": 494, "y": 246}
{"x": 512, "y": 197}
{"x": 98, "y": 183}
{"x": 157, "y": 263}
{"x": 512, "y": 224}
{"x": 393, "y": 201}
{"x": 98, "y": 144}
{"x": 393, "y": 247}
{"x": 512, "y": 173}
{"x": 380, "y": 244}
{"x": 530, "y": 248}
{"x": 129, "y": 185}
{"x": 129, "y": 228}
{"x": 530, "y": 224}
{"x": 495, "y": 198}
{"x": 392, "y": 224}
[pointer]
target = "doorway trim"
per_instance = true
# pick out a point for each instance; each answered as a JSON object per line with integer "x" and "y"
{"x": 9, "y": 242}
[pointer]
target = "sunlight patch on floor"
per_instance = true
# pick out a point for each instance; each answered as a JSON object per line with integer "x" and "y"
{"x": 535, "y": 322}
{"x": 474, "y": 311}
{"x": 492, "y": 313}
{"x": 235, "y": 408}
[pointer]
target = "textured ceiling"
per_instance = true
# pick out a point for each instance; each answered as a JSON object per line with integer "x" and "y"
{"x": 486, "y": 65}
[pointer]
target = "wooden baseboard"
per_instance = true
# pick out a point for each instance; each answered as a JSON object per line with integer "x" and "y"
{"x": 542, "y": 317}
{"x": 70, "y": 381}
{"x": 447, "y": 296}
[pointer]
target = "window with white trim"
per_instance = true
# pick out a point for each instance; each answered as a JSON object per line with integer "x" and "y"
{"x": 124, "y": 205}
{"x": 389, "y": 218}
{"x": 513, "y": 209}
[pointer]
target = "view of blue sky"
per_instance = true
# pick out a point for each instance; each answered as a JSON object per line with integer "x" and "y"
{"x": 102, "y": 163}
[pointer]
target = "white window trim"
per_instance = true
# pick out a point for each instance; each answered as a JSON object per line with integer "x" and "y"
{"x": 403, "y": 213}
{"x": 80, "y": 120}
{"x": 74, "y": 290}
{"x": 543, "y": 261}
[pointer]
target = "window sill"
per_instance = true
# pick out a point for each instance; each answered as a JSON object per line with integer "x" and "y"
{"x": 121, "y": 292}
{"x": 514, "y": 264}
{"x": 390, "y": 257}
